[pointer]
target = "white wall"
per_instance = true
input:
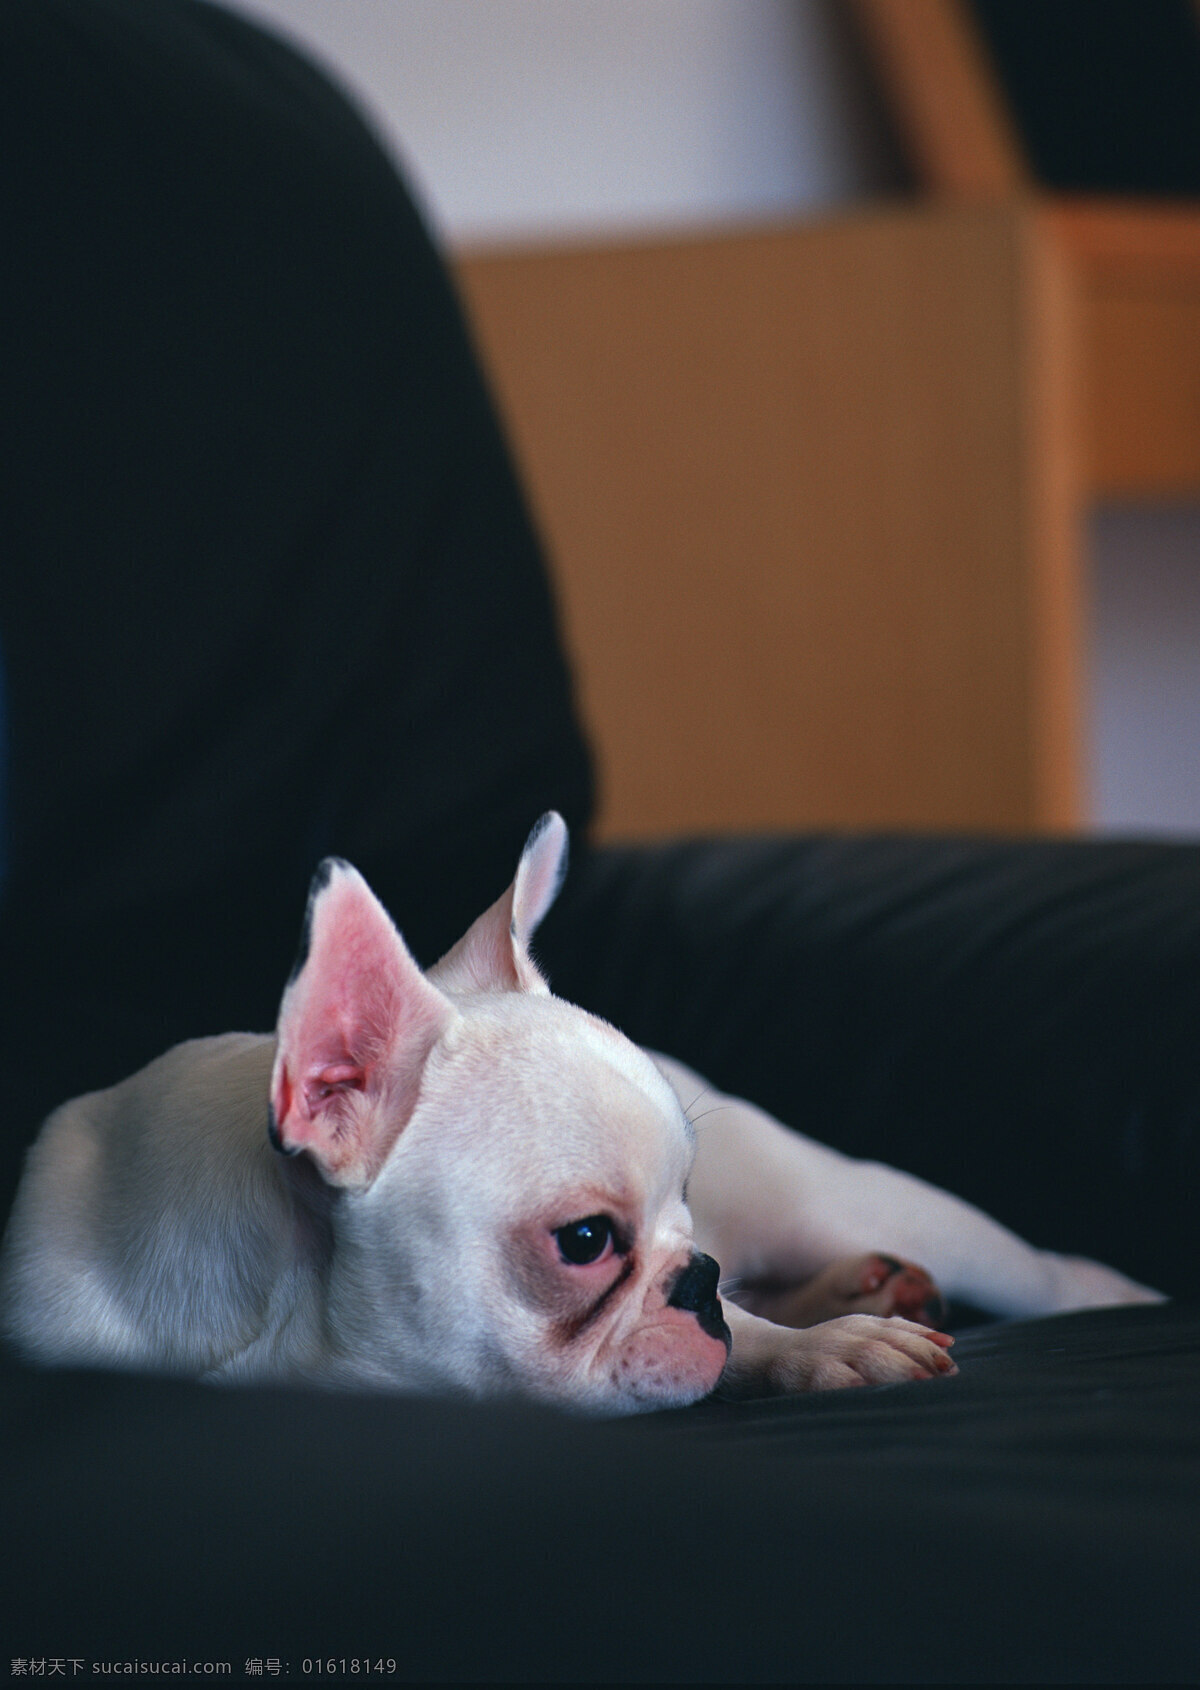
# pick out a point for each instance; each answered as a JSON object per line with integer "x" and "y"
{"x": 1145, "y": 686}
{"x": 536, "y": 118}
{"x": 554, "y": 118}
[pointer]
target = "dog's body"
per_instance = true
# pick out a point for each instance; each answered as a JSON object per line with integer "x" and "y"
{"x": 800, "y": 1227}
{"x": 470, "y": 1185}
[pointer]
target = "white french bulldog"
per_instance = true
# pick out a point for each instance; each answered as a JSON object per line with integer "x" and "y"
{"x": 455, "y": 1181}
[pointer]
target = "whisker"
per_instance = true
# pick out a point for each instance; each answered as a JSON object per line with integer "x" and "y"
{"x": 705, "y": 1113}
{"x": 695, "y": 1101}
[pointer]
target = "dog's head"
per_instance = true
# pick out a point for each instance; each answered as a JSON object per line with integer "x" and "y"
{"x": 510, "y": 1169}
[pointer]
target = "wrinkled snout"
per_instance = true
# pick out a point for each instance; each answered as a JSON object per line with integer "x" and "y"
{"x": 695, "y": 1291}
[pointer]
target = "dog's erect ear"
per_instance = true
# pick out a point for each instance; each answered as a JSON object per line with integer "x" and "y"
{"x": 356, "y": 1025}
{"x": 493, "y": 955}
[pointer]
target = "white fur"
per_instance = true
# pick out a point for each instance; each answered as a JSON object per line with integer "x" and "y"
{"x": 773, "y": 1206}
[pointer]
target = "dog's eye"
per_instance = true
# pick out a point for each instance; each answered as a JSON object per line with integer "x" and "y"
{"x": 584, "y": 1241}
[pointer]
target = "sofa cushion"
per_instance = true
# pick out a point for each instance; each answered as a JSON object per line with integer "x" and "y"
{"x": 1032, "y": 1520}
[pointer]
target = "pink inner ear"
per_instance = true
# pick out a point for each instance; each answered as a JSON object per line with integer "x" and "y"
{"x": 335, "y": 1079}
{"x": 355, "y": 1028}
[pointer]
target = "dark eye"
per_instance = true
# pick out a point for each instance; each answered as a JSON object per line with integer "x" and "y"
{"x": 584, "y": 1241}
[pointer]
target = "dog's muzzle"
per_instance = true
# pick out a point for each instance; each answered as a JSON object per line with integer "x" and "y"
{"x": 695, "y": 1291}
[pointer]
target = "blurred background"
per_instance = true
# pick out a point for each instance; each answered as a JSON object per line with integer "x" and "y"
{"x": 851, "y": 353}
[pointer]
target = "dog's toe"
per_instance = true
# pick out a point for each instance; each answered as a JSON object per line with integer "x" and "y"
{"x": 911, "y": 1292}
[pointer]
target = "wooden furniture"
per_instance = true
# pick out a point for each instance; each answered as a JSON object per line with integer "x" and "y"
{"x": 814, "y": 495}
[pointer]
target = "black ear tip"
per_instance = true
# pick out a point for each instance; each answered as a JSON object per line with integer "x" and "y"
{"x": 325, "y": 871}
{"x": 541, "y": 826}
{"x": 538, "y": 832}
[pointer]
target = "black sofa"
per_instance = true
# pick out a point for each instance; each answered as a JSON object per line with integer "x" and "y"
{"x": 270, "y": 591}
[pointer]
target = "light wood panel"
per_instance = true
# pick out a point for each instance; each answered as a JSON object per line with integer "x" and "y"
{"x": 1136, "y": 266}
{"x": 944, "y": 97}
{"x": 811, "y": 517}
{"x": 1136, "y": 270}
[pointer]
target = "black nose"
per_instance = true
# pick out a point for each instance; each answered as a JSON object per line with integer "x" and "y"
{"x": 695, "y": 1289}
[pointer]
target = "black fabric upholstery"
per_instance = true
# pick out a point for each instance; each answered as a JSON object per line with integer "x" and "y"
{"x": 270, "y": 591}
{"x": 1031, "y": 1521}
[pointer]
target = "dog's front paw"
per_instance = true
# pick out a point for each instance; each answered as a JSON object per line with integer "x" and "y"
{"x": 870, "y": 1284}
{"x": 857, "y": 1349}
{"x": 864, "y": 1349}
